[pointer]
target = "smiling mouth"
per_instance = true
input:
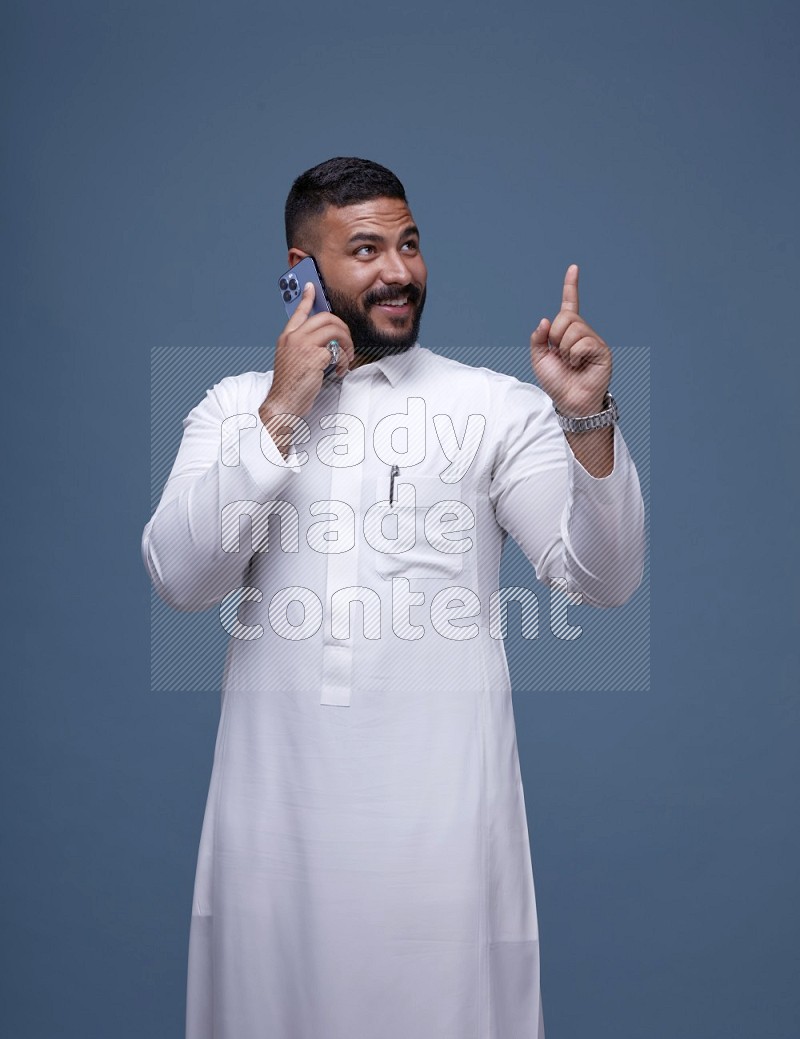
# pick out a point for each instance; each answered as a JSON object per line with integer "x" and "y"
{"x": 398, "y": 305}
{"x": 397, "y": 297}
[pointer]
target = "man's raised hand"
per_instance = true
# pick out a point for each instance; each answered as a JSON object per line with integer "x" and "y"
{"x": 571, "y": 362}
{"x": 301, "y": 357}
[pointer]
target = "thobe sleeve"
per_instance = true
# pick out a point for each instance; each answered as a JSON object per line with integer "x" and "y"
{"x": 225, "y": 457}
{"x": 586, "y": 533}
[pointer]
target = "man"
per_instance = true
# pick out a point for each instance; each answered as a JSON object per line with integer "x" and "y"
{"x": 364, "y": 867}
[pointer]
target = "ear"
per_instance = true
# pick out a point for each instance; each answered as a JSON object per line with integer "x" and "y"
{"x": 296, "y": 255}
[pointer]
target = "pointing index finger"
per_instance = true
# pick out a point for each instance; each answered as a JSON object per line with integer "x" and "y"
{"x": 569, "y": 297}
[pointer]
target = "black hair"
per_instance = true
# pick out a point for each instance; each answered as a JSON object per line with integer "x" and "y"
{"x": 335, "y": 182}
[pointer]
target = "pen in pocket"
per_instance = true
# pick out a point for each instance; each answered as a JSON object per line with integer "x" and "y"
{"x": 394, "y": 472}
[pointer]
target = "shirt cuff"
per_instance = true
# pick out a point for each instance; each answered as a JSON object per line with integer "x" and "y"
{"x": 260, "y": 456}
{"x": 601, "y": 488}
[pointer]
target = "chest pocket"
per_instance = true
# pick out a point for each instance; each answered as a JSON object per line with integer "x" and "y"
{"x": 424, "y": 533}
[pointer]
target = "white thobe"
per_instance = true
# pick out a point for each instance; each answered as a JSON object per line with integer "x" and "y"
{"x": 364, "y": 866}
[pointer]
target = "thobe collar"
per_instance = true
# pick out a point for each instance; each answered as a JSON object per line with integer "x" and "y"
{"x": 393, "y": 367}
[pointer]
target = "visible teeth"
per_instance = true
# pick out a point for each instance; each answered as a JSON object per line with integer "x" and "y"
{"x": 395, "y": 302}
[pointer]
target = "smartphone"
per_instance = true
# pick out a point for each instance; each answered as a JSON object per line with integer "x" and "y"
{"x": 291, "y": 285}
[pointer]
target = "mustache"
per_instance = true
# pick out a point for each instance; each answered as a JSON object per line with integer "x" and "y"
{"x": 410, "y": 291}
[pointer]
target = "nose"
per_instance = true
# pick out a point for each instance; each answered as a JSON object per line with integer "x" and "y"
{"x": 394, "y": 270}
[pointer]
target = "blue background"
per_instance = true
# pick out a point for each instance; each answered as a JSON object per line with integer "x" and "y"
{"x": 148, "y": 151}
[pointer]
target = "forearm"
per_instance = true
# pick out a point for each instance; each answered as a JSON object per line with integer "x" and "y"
{"x": 227, "y": 467}
{"x": 183, "y": 549}
{"x": 603, "y": 525}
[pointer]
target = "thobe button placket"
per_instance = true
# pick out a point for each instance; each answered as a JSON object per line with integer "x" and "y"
{"x": 342, "y": 567}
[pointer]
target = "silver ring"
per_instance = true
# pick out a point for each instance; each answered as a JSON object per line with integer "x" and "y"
{"x": 334, "y": 348}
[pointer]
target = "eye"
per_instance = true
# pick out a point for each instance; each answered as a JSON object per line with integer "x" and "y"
{"x": 411, "y": 246}
{"x": 361, "y": 250}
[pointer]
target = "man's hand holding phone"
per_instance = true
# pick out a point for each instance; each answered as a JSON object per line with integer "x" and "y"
{"x": 301, "y": 358}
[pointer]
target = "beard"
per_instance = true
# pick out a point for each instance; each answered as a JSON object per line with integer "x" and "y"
{"x": 369, "y": 342}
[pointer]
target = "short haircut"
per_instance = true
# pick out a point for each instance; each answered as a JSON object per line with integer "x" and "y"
{"x": 336, "y": 182}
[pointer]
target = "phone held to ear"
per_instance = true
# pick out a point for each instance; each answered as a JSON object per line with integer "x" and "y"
{"x": 291, "y": 285}
{"x": 293, "y": 282}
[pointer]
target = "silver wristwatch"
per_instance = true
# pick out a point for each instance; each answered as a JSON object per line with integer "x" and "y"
{"x": 604, "y": 418}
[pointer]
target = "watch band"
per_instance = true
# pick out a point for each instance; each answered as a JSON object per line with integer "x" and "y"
{"x": 607, "y": 417}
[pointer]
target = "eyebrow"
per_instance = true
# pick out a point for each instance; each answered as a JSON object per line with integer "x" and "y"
{"x": 363, "y": 236}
